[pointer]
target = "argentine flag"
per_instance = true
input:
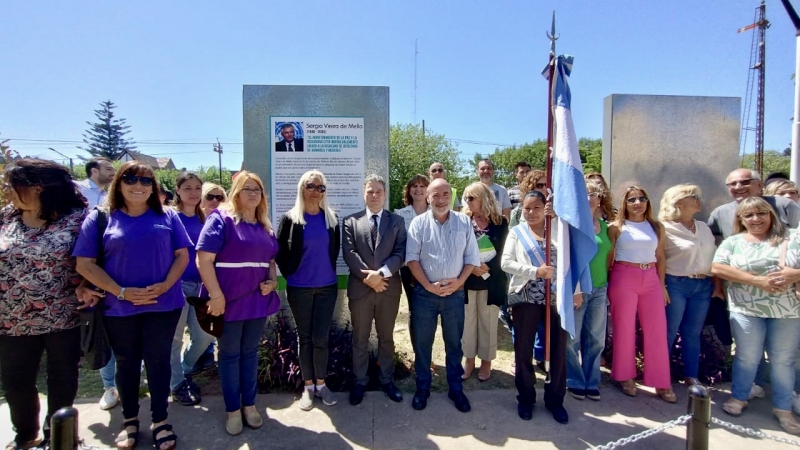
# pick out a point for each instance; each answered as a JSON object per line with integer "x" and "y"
{"x": 575, "y": 226}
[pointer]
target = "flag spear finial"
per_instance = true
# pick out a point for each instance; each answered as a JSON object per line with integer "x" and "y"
{"x": 553, "y": 36}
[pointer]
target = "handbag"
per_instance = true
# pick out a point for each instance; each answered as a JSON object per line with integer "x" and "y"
{"x": 212, "y": 325}
{"x": 94, "y": 340}
{"x": 534, "y": 252}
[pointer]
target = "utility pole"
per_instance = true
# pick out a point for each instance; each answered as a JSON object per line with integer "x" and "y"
{"x": 218, "y": 149}
{"x": 71, "y": 167}
{"x": 795, "y": 171}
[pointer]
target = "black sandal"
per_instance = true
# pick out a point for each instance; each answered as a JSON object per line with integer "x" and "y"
{"x": 172, "y": 437}
{"x": 128, "y": 435}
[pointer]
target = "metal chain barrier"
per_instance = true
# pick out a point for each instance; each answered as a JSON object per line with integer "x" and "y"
{"x": 752, "y": 432}
{"x": 644, "y": 434}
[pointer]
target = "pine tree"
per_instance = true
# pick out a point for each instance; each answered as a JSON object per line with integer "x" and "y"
{"x": 106, "y": 137}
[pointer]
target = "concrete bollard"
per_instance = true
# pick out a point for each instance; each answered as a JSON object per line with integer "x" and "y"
{"x": 64, "y": 430}
{"x": 700, "y": 423}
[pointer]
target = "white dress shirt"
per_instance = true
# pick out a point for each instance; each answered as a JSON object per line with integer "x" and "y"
{"x": 384, "y": 271}
{"x": 94, "y": 195}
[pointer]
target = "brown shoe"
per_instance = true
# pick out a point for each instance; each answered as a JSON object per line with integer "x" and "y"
{"x": 628, "y": 388}
{"x": 735, "y": 407}
{"x": 668, "y": 395}
{"x": 469, "y": 367}
{"x": 787, "y": 421}
{"x": 485, "y": 372}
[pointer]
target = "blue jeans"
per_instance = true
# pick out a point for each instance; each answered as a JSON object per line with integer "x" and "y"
{"x": 108, "y": 373}
{"x": 689, "y": 299}
{"x": 590, "y": 340}
{"x": 198, "y": 343}
{"x": 427, "y": 308}
{"x": 782, "y": 338}
{"x": 238, "y": 362}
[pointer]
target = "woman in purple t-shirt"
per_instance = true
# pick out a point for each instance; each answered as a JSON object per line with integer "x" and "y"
{"x": 145, "y": 254}
{"x": 235, "y": 254}
{"x": 305, "y": 232}
{"x": 188, "y": 190}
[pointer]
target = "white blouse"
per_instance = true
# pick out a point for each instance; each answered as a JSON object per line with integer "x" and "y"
{"x": 689, "y": 253}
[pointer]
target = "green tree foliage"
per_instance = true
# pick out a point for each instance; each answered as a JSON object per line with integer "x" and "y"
{"x": 504, "y": 159}
{"x": 412, "y": 151}
{"x": 106, "y": 137}
{"x": 774, "y": 161}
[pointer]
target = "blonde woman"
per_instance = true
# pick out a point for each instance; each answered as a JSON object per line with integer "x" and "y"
{"x": 764, "y": 309}
{"x": 236, "y": 258}
{"x": 689, "y": 249}
{"x": 782, "y": 188}
{"x": 213, "y": 196}
{"x": 636, "y": 288}
{"x": 487, "y": 286}
{"x": 304, "y": 234}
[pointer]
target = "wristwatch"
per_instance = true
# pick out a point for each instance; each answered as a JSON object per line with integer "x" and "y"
{"x": 121, "y": 295}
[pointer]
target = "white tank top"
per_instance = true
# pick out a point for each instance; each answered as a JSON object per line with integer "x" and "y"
{"x": 637, "y": 243}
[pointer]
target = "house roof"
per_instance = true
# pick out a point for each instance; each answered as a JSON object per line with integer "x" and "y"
{"x": 156, "y": 163}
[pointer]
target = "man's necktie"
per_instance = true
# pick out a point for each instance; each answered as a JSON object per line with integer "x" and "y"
{"x": 291, "y": 147}
{"x": 373, "y": 230}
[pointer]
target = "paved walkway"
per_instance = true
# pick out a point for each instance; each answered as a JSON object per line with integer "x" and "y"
{"x": 380, "y": 424}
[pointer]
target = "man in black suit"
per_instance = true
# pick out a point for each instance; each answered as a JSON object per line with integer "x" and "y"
{"x": 289, "y": 143}
{"x": 374, "y": 247}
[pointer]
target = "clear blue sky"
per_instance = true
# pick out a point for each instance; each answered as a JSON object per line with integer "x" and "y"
{"x": 176, "y": 68}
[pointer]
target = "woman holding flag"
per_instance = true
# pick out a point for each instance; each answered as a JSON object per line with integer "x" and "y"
{"x": 524, "y": 259}
{"x": 486, "y": 287}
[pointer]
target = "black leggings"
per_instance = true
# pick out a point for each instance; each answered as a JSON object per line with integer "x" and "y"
{"x": 312, "y": 309}
{"x": 143, "y": 337}
{"x": 19, "y": 366}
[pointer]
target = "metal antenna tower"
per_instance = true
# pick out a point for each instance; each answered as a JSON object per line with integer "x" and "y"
{"x": 756, "y": 76}
{"x": 415, "y": 81}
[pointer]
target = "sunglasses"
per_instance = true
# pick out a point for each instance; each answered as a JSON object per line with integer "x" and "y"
{"x": 130, "y": 180}
{"x": 437, "y": 170}
{"x": 693, "y": 196}
{"x": 750, "y": 215}
{"x": 633, "y": 200}
{"x": 470, "y": 198}
{"x": 318, "y": 187}
{"x": 745, "y": 182}
{"x": 212, "y": 197}
{"x": 541, "y": 185}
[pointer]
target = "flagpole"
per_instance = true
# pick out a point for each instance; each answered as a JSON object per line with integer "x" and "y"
{"x": 549, "y": 183}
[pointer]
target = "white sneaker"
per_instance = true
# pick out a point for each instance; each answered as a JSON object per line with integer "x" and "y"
{"x": 756, "y": 392}
{"x": 110, "y": 399}
{"x": 796, "y": 403}
{"x": 306, "y": 402}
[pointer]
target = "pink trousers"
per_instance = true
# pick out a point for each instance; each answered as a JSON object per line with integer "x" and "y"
{"x": 632, "y": 290}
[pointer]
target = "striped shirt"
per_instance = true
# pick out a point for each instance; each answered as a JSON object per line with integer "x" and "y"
{"x": 442, "y": 249}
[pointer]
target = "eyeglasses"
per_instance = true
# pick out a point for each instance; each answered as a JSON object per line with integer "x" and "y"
{"x": 541, "y": 185}
{"x": 437, "y": 170}
{"x": 751, "y": 215}
{"x": 318, "y": 187}
{"x": 470, "y": 198}
{"x": 745, "y": 182}
{"x": 632, "y": 200}
{"x": 593, "y": 195}
{"x": 249, "y": 191}
{"x": 212, "y": 197}
{"x": 130, "y": 180}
